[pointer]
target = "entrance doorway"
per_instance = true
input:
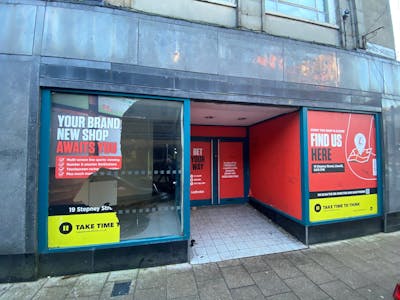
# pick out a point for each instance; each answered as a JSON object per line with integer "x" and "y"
{"x": 242, "y": 155}
{"x": 217, "y": 172}
{"x": 234, "y": 231}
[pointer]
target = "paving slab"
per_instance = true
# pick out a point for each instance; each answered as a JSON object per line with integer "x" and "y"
{"x": 152, "y": 278}
{"x": 388, "y": 255}
{"x": 373, "y": 292}
{"x": 355, "y": 262}
{"x": 339, "y": 291}
{"x": 25, "y": 290}
{"x": 298, "y": 258}
{"x": 324, "y": 259}
{"x": 123, "y": 275}
{"x": 269, "y": 283}
{"x": 387, "y": 282}
{"x": 4, "y": 287}
{"x": 181, "y": 285}
{"x": 88, "y": 285}
{"x": 284, "y": 268}
{"x": 179, "y": 268}
{"x": 350, "y": 277}
{"x": 255, "y": 264}
{"x": 316, "y": 273}
{"x": 51, "y": 293}
{"x": 151, "y": 294}
{"x": 388, "y": 267}
{"x": 207, "y": 272}
{"x": 214, "y": 289}
{"x": 236, "y": 276}
{"x": 305, "y": 289}
{"x": 229, "y": 263}
{"x": 247, "y": 293}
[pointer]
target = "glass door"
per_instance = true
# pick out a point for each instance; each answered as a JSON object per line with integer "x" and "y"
{"x": 217, "y": 172}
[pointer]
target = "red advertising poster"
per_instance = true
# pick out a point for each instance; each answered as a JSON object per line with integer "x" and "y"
{"x": 342, "y": 165}
{"x": 200, "y": 171}
{"x": 231, "y": 183}
{"x": 342, "y": 151}
{"x": 84, "y": 144}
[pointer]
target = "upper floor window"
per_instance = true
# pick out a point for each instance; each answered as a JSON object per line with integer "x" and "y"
{"x": 313, "y": 10}
{"x": 231, "y": 3}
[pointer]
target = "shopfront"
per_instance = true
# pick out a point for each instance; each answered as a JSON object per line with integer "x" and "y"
{"x": 120, "y": 172}
{"x": 124, "y": 123}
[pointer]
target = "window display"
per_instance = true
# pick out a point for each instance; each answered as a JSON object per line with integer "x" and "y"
{"x": 114, "y": 170}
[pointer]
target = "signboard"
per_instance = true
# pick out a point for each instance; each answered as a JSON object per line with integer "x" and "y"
{"x": 82, "y": 226}
{"x": 84, "y": 144}
{"x": 200, "y": 171}
{"x": 231, "y": 184}
{"x": 342, "y": 165}
{"x": 80, "y": 213}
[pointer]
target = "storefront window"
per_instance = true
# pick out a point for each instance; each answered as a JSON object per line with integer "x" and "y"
{"x": 343, "y": 166}
{"x": 115, "y": 169}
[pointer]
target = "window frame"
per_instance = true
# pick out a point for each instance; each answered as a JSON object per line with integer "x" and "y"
{"x": 43, "y": 182}
{"x": 329, "y": 12}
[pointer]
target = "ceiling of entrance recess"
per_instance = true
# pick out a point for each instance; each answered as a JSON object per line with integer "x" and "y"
{"x": 207, "y": 113}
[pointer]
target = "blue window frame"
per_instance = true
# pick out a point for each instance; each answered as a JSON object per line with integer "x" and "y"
{"x": 75, "y": 118}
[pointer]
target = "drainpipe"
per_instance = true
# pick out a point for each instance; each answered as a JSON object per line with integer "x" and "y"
{"x": 345, "y": 16}
{"x": 238, "y": 14}
{"x": 353, "y": 8}
{"x": 262, "y": 16}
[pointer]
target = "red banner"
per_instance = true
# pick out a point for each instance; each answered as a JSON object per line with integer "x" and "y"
{"x": 84, "y": 166}
{"x": 231, "y": 170}
{"x": 200, "y": 175}
{"x": 342, "y": 151}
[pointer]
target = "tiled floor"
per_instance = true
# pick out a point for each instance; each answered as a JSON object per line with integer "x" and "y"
{"x": 235, "y": 231}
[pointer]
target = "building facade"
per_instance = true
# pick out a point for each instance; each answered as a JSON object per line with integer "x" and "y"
{"x": 119, "y": 115}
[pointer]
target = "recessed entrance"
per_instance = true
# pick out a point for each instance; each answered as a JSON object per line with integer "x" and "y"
{"x": 234, "y": 231}
{"x": 234, "y": 152}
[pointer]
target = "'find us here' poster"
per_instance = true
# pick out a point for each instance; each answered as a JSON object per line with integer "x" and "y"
{"x": 342, "y": 165}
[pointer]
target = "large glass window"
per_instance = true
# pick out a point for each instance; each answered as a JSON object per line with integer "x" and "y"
{"x": 114, "y": 170}
{"x": 314, "y": 10}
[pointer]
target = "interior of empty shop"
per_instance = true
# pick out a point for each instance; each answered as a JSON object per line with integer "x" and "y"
{"x": 245, "y": 160}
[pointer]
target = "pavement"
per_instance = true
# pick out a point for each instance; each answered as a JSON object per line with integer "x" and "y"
{"x": 360, "y": 268}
